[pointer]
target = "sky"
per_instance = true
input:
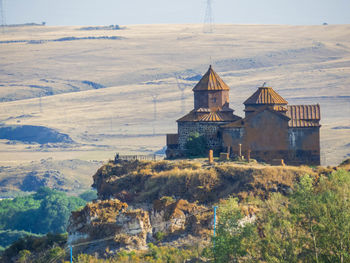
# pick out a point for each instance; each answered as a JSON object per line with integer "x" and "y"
{"x": 127, "y": 12}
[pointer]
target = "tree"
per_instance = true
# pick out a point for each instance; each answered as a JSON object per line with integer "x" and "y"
{"x": 54, "y": 212}
{"x": 281, "y": 237}
{"x": 333, "y": 214}
{"x": 235, "y": 238}
{"x": 310, "y": 225}
{"x": 196, "y": 145}
{"x": 45, "y": 211}
{"x": 303, "y": 204}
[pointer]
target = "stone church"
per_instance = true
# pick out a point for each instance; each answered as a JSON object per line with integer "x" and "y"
{"x": 271, "y": 129}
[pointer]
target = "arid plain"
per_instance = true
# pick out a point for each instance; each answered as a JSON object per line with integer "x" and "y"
{"x": 99, "y": 86}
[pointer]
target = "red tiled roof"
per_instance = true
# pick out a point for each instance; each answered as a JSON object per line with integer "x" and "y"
{"x": 279, "y": 108}
{"x": 212, "y": 116}
{"x": 191, "y": 116}
{"x": 265, "y": 95}
{"x": 304, "y": 112}
{"x": 273, "y": 107}
{"x": 302, "y": 123}
{"x": 240, "y": 123}
{"x": 211, "y": 81}
{"x": 304, "y": 115}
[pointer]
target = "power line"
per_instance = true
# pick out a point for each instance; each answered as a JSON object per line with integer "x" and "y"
{"x": 59, "y": 255}
{"x": 182, "y": 89}
{"x": 208, "y": 18}
{"x": 2, "y": 16}
{"x": 93, "y": 241}
{"x": 154, "y": 99}
{"x": 40, "y": 104}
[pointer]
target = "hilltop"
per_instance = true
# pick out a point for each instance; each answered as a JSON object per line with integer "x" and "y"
{"x": 170, "y": 202}
{"x": 194, "y": 181}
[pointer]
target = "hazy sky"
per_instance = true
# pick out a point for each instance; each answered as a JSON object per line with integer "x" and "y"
{"x": 106, "y": 12}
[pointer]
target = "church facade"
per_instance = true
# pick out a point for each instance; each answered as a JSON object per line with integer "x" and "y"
{"x": 270, "y": 130}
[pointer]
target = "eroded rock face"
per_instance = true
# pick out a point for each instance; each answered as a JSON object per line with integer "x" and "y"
{"x": 135, "y": 229}
{"x": 94, "y": 221}
{"x": 179, "y": 216}
{"x": 117, "y": 227}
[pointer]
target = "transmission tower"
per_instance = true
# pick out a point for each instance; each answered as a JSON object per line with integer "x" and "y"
{"x": 208, "y": 18}
{"x": 40, "y": 104}
{"x": 154, "y": 99}
{"x": 182, "y": 89}
{"x": 2, "y": 16}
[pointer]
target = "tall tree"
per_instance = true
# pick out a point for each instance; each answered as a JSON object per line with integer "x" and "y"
{"x": 235, "y": 236}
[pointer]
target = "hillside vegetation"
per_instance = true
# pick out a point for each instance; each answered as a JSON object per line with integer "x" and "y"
{"x": 195, "y": 181}
{"x": 162, "y": 211}
{"x": 46, "y": 211}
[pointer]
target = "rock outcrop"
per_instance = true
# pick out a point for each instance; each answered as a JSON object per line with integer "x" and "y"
{"x": 171, "y": 217}
{"x": 167, "y": 202}
{"x": 95, "y": 221}
{"x": 109, "y": 223}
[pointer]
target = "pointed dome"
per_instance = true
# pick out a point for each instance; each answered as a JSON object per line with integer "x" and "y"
{"x": 211, "y": 81}
{"x": 265, "y": 95}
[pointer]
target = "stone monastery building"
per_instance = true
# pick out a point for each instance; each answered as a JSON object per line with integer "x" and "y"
{"x": 270, "y": 130}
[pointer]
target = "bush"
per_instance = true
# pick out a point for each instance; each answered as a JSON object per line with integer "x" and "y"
{"x": 196, "y": 145}
{"x": 7, "y": 237}
{"x": 36, "y": 249}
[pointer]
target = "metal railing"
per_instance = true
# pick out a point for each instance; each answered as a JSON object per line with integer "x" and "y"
{"x": 149, "y": 157}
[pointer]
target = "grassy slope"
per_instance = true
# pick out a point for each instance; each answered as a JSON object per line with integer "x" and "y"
{"x": 141, "y": 182}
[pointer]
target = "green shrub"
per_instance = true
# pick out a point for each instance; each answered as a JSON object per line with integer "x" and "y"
{"x": 159, "y": 236}
{"x": 7, "y": 237}
{"x": 48, "y": 247}
{"x": 196, "y": 145}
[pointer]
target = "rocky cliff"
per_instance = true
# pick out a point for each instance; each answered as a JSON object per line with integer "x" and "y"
{"x": 167, "y": 202}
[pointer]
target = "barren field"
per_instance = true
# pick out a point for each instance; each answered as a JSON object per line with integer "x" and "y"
{"x": 97, "y": 86}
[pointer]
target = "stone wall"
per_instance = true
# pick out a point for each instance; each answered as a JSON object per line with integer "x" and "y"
{"x": 211, "y": 99}
{"x": 268, "y": 137}
{"x": 209, "y": 129}
{"x": 304, "y": 145}
{"x": 266, "y": 131}
{"x": 232, "y": 137}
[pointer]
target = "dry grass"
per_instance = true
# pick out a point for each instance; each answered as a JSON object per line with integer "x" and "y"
{"x": 141, "y": 182}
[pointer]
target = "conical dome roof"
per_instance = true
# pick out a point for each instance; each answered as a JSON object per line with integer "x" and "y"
{"x": 211, "y": 81}
{"x": 265, "y": 95}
